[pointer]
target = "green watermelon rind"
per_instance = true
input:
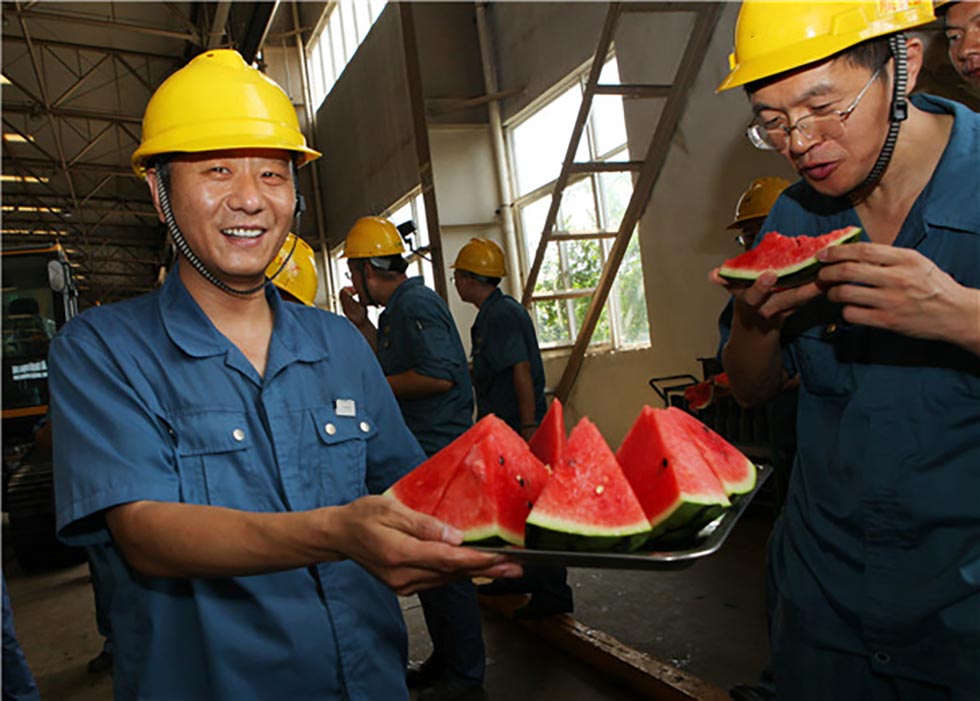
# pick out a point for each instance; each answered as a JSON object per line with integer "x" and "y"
{"x": 793, "y": 275}
{"x": 570, "y": 538}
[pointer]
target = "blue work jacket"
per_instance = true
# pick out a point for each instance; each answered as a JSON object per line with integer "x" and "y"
{"x": 151, "y": 402}
{"x": 878, "y": 549}
{"x": 417, "y": 332}
{"x": 503, "y": 336}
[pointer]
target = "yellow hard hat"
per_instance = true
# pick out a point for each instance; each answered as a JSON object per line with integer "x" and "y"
{"x": 482, "y": 257}
{"x": 217, "y": 101}
{"x": 299, "y": 277}
{"x": 774, "y": 37}
{"x": 373, "y": 237}
{"x": 758, "y": 199}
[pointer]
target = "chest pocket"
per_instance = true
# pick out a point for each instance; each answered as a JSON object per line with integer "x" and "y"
{"x": 333, "y": 455}
{"x": 217, "y": 461}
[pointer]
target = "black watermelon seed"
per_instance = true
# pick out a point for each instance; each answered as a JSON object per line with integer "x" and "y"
{"x": 530, "y": 505}
{"x": 664, "y": 464}
{"x": 501, "y": 459}
{"x": 520, "y": 480}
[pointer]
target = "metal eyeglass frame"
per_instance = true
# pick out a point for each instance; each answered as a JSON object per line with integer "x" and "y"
{"x": 758, "y": 134}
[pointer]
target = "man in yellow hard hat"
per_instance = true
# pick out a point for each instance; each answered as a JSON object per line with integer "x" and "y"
{"x": 223, "y": 445}
{"x": 422, "y": 356}
{"x": 508, "y": 377}
{"x": 875, "y": 555}
{"x": 962, "y": 25}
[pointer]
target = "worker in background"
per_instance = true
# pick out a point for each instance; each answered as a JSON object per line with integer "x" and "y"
{"x": 16, "y": 680}
{"x": 508, "y": 377}
{"x": 875, "y": 555}
{"x": 961, "y": 21}
{"x": 225, "y": 445}
{"x": 423, "y": 358}
{"x": 293, "y": 271}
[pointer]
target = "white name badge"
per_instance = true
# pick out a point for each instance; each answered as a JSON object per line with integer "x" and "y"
{"x": 345, "y": 407}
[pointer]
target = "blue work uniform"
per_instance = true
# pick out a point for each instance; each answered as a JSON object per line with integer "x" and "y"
{"x": 417, "y": 332}
{"x": 16, "y": 680}
{"x": 876, "y": 558}
{"x": 151, "y": 402}
{"x": 503, "y": 336}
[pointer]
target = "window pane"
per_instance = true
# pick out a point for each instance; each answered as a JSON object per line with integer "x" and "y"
{"x": 578, "y": 208}
{"x": 552, "y": 323}
{"x": 615, "y": 190}
{"x": 346, "y": 11}
{"x": 601, "y": 334}
{"x": 607, "y": 115}
{"x": 337, "y": 43}
{"x": 584, "y": 260}
{"x": 539, "y": 144}
{"x": 632, "y": 298}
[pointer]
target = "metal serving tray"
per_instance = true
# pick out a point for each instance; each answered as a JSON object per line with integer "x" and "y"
{"x": 708, "y": 541}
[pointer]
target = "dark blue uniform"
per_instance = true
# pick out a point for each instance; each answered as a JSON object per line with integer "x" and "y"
{"x": 877, "y": 555}
{"x": 151, "y": 402}
{"x": 417, "y": 332}
{"x": 503, "y": 336}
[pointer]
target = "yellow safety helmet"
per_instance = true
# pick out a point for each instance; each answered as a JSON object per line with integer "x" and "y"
{"x": 373, "y": 237}
{"x": 482, "y": 257}
{"x": 775, "y": 37}
{"x": 298, "y": 277}
{"x": 758, "y": 199}
{"x": 217, "y": 101}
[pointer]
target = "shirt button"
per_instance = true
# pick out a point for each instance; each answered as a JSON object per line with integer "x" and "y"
{"x": 831, "y": 328}
{"x": 238, "y": 434}
{"x": 365, "y": 426}
{"x": 330, "y": 429}
{"x": 882, "y": 657}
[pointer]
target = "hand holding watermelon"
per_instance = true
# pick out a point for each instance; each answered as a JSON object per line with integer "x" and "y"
{"x": 407, "y": 550}
{"x": 900, "y": 290}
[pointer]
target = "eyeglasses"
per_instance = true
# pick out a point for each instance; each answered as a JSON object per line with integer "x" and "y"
{"x": 775, "y": 134}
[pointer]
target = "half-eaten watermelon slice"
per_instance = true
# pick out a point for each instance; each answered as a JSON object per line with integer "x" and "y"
{"x": 675, "y": 486}
{"x": 792, "y": 258}
{"x": 548, "y": 442}
{"x": 735, "y": 471}
{"x": 587, "y": 504}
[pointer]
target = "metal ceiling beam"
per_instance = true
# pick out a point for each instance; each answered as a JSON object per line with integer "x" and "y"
{"x": 257, "y": 29}
{"x": 108, "y": 24}
{"x": 70, "y": 113}
{"x": 218, "y": 24}
{"x": 108, "y": 50}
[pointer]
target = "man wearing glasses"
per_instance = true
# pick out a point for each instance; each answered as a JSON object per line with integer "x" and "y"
{"x": 876, "y": 559}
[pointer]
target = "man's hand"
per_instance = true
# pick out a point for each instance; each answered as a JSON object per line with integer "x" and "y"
{"x": 407, "y": 550}
{"x": 354, "y": 309}
{"x": 763, "y": 305}
{"x": 900, "y": 290}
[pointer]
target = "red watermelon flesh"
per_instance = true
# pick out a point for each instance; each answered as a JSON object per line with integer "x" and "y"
{"x": 699, "y": 396}
{"x": 422, "y": 488}
{"x": 673, "y": 483}
{"x": 735, "y": 471}
{"x": 518, "y": 480}
{"x": 587, "y": 504}
{"x": 792, "y": 258}
{"x": 548, "y": 442}
{"x": 468, "y": 501}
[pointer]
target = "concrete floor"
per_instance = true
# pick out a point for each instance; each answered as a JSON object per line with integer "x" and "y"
{"x": 708, "y": 620}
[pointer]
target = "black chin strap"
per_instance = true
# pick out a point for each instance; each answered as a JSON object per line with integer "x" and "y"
{"x": 898, "y": 113}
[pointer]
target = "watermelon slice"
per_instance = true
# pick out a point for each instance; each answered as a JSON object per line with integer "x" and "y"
{"x": 484, "y": 483}
{"x": 675, "y": 486}
{"x": 548, "y": 442}
{"x": 587, "y": 504}
{"x": 700, "y": 396}
{"x": 735, "y": 471}
{"x": 792, "y": 258}
{"x": 422, "y": 488}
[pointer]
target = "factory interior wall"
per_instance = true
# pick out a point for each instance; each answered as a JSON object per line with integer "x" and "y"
{"x": 365, "y": 130}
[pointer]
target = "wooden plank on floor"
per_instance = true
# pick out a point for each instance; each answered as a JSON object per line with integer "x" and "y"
{"x": 654, "y": 679}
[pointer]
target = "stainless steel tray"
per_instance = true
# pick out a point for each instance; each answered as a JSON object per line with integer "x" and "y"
{"x": 708, "y": 541}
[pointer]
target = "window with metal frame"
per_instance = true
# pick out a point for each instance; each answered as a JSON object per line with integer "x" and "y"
{"x": 592, "y": 206}
{"x": 342, "y": 28}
